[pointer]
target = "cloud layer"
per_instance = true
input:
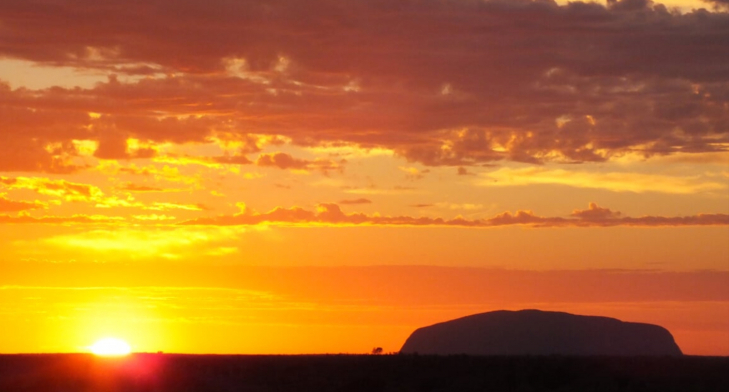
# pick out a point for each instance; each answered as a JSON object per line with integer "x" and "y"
{"x": 441, "y": 83}
{"x": 331, "y": 214}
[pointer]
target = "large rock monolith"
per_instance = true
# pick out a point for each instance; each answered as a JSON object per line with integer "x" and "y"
{"x": 535, "y": 332}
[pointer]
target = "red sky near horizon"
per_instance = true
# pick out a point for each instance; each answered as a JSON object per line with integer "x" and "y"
{"x": 327, "y": 176}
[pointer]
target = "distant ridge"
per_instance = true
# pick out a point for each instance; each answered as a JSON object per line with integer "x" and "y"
{"x": 536, "y": 332}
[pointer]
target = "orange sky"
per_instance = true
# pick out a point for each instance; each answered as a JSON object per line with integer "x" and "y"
{"x": 327, "y": 176}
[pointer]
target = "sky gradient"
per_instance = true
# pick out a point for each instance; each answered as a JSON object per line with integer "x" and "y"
{"x": 327, "y": 176}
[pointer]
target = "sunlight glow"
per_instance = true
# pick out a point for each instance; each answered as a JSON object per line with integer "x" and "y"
{"x": 111, "y": 347}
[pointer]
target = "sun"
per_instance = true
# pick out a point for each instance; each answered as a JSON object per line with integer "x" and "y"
{"x": 110, "y": 347}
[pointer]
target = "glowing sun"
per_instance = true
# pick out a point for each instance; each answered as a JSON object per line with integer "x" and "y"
{"x": 110, "y": 347}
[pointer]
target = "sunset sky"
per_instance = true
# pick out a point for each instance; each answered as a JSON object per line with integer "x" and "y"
{"x": 326, "y": 176}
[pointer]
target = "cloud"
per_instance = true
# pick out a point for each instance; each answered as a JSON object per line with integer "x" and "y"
{"x": 7, "y": 205}
{"x": 208, "y": 161}
{"x": 612, "y": 181}
{"x": 37, "y": 141}
{"x": 79, "y": 218}
{"x": 413, "y": 173}
{"x": 287, "y": 162}
{"x": 75, "y": 192}
{"x": 113, "y": 145}
{"x": 457, "y": 83}
{"x": 69, "y": 191}
{"x": 139, "y": 188}
{"x": 232, "y": 160}
{"x": 449, "y": 206}
{"x": 165, "y": 173}
{"x": 355, "y": 201}
{"x": 281, "y": 161}
{"x": 153, "y": 217}
{"x": 162, "y": 206}
{"x": 62, "y": 189}
{"x": 166, "y": 242}
{"x": 462, "y": 171}
{"x": 595, "y": 212}
{"x": 330, "y": 214}
{"x": 719, "y": 4}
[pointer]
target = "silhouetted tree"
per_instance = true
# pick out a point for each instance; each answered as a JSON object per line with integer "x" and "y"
{"x": 377, "y": 351}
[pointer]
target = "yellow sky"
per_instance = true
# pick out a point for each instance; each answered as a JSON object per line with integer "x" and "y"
{"x": 334, "y": 177}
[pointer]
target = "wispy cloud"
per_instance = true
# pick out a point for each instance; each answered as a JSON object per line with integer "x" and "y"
{"x": 612, "y": 181}
{"x": 165, "y": 242}
{"x": 76, "y": 218}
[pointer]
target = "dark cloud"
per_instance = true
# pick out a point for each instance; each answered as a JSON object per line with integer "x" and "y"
{"x": 140, "y": 188}
{"x": 441, "y": 83}
{"x": 232, "y": 160}
{"x": 355, "y": 201}
{"x": 281, "y": 161}
{"x": 7, "y": 205}
{"x": 115, "y": 146}
{"x": 596, "y": 213}
{"x": 37, "y": 140}
{"x": 287, "y": 162}
{"x": 462, "y": 171}
{"x": 331, "y": 214}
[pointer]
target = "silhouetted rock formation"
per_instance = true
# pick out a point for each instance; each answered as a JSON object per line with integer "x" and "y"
{"x": 534, "y": 332}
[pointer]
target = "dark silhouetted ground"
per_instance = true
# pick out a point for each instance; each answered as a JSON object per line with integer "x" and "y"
{"x": 352, "y": 373}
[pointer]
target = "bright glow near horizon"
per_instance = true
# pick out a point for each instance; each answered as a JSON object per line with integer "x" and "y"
{"x": 110, "y": 347}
